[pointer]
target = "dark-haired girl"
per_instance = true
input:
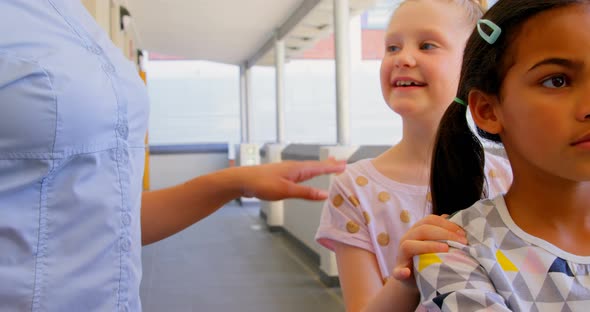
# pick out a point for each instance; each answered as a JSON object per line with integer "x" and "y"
{"x": 526, "y": 81}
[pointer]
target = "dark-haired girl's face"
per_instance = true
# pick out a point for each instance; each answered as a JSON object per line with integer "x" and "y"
{"x": 545, "y": 96}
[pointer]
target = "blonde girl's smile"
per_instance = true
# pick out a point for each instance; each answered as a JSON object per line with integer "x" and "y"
{"x": 407, "y": 84}
{"x": 420, "y": 67}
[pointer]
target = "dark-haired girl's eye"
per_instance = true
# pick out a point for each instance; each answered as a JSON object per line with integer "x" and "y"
{"x": 555, "y": 82}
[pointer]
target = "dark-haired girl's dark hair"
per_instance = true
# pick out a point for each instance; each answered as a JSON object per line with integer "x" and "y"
{"x": 457, "y": 173}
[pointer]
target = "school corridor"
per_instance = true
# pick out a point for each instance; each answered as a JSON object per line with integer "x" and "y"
{"x": 231, "y": 262}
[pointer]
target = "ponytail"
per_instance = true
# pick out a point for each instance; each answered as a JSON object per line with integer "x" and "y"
{"x": 457, "y": 171}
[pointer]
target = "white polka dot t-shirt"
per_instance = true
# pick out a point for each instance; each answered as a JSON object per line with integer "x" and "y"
{"x": 367, "y": 210}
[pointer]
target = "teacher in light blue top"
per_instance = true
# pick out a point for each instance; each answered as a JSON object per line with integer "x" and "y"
{"x": 73, "y": 115}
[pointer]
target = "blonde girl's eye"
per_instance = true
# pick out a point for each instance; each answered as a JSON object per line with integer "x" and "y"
{"x": 556, "y": 82}
{"x": 428, "y": 46}
{"x": 392, "y": 48}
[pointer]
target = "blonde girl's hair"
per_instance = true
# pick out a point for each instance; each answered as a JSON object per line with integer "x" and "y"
{"x": 474, "y": 9}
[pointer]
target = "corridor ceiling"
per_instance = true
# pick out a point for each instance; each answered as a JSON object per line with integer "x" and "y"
{"x": 233, "y": 31}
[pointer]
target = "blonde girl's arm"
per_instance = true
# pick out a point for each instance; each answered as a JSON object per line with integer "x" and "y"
{"x": 400, "y": 293}
{"x": 362, "y": 286}
{"x": 360, "y": 279}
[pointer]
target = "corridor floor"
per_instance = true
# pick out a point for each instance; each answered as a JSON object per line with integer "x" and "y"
{"x": 231, "y": 262}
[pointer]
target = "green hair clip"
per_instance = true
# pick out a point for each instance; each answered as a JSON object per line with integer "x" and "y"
{"x": 496, "y": 31}
{"x": 458, "y": 100}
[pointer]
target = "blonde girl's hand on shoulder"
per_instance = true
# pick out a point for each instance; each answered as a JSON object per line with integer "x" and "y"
{"x": 363, "y": 288}
{"x": 424, "y": 237}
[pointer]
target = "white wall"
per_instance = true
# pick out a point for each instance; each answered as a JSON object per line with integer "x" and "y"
{"x": 172, "y": 169}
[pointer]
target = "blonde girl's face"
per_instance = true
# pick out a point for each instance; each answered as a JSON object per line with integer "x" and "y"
{"x": 544, "y": 106}
{"x": 424, "y": 45}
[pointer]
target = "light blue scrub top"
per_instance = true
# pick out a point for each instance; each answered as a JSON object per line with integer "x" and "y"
{"x": 73, "y": 115}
